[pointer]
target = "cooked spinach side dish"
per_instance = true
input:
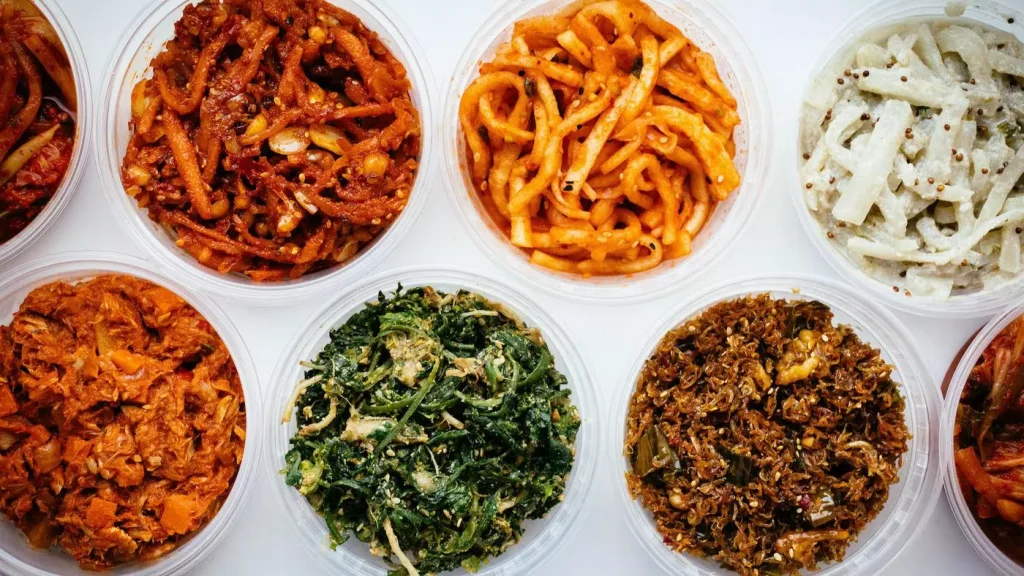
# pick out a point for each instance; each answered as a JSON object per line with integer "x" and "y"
{"x": 763, "y": 436}
{"x": 431, "y": 427}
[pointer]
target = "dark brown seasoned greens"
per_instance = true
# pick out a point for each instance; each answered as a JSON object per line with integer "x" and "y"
{"x": 433, "y": 426}
{"x": 763, "y": 436}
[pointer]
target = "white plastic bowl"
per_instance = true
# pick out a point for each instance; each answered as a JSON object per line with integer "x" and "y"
{"x": 981, "y": 543}
{"x": 17, "y": 557}
{"x": 712, "y": 31}
{"x": 143, "y": 40}
{"x": 911, "y": 501}
{"x": 540, "y": 537}
{"x": 83, "y": 123}
{"x": 879, "y": 15}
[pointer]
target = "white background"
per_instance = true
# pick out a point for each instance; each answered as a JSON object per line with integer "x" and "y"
{"x": 786, "y": 37}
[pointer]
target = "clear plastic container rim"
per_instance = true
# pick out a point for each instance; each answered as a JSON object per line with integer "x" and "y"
{"x": 964, "y": 517}
{"x": 403, "y": 44}
{"x": 83, "y": 135}
{"x": 922, "y": 481}
{"x": 76, "y": 266}
{"x": 758, "y": 118}
{"x": 876, "y": 15}
{"x": 560, "y": 522}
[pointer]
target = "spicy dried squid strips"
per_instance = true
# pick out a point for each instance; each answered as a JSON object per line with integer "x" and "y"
{"x": 274, "y": 139}
{"x": 600, "y": 138}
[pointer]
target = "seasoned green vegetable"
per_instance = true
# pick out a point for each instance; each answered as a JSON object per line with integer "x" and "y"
{"x": 431, "y": 426}
{"x": 653, "y": 452}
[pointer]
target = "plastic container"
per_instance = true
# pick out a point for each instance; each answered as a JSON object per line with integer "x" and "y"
{"x": 911, "y": 500}
{"x": 83, "y": 124}
{"x": 981, "y": 543}
{"x": 708, "y": 28}
{"x": 540, "y": 537}
{"x": 17, "y": 558}
{"x": 877, "y": 15}
{"x": 145, "y": 39}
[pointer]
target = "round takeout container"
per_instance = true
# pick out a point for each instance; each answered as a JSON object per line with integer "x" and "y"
{"x": 709, "y": 29}
{"x": 83, "y": 118}
{"x": 911, "y": 500}
{"x": 17, "y": 557}
{"x": 985, "y": 548}
{"x": 143, "y": 41}
{"x": 870, "y": 22}
{"x": 540, "y": 537}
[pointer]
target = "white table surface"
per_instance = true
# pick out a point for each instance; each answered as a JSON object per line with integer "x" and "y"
{"x": 786, "y": 37}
